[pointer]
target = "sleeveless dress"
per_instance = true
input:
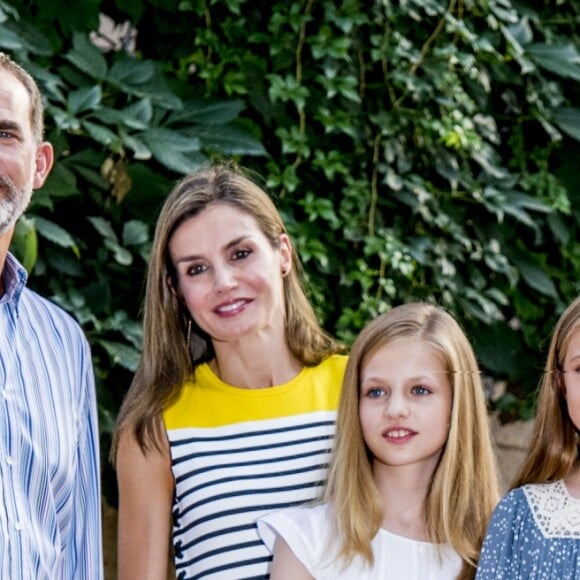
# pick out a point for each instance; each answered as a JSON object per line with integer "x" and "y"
{"x": 240, "y": 453}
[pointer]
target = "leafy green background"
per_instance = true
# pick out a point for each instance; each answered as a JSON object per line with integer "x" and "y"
{"x": 418, "y": 150}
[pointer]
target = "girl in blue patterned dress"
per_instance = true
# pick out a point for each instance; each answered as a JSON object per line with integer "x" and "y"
{"x": 535, "y": 530}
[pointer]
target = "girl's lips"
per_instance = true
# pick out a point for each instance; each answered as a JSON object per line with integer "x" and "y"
{"x": 398, "y": 435}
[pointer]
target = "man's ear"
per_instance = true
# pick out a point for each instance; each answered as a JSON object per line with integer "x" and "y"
{"x": 44, "y": 161}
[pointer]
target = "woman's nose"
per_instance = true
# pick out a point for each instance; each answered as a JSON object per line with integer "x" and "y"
{"x": 224, "y": 279}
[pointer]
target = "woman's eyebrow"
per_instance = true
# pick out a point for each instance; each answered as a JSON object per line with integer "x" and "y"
{"x": 230, "y": 244}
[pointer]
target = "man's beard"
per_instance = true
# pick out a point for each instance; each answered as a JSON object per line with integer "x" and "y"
{"x": 12, "y": 203}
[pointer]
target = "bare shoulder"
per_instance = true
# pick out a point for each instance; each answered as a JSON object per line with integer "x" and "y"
{"x": 286, "y": 566}
{"x": 134, "y": 462}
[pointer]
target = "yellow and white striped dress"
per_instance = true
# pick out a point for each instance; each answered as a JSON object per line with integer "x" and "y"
{"x": 238, "y": 454}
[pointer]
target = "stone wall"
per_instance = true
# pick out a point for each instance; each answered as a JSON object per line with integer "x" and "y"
{"x": 110, "y": 541}
{"x": 511, "y": 441}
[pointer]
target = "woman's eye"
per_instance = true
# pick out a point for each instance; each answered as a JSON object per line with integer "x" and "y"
{"x": 375, "y": 393}
{"x": 241, "y": 254}
{"x": 195, "y": 270}
{"x": 421, "y": 390}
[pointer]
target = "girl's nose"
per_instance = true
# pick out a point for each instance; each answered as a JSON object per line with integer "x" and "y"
{"x": 397, "y": 408}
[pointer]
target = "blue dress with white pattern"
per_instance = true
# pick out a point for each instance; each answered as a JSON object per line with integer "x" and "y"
{"x": 534, "y": 533}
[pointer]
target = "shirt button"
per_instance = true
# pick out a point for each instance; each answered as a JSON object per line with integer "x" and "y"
{"x": 10, "y": 460}
{"x": 18, "y": 526}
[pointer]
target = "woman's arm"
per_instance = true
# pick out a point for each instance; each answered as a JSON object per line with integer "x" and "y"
{"x": 146, "y": 488}
{"x": 286, "y": 566}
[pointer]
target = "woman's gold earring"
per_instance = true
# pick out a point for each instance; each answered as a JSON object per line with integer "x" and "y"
{"x": 188, "y": 332}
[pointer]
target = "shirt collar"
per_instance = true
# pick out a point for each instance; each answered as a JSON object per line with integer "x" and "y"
{"x": 14, "y": 279}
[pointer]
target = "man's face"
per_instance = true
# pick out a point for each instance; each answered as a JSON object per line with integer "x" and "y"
{"x": 24, "y": 163}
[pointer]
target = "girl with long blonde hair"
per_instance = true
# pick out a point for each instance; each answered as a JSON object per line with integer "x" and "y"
{"x": 412, "y": 482}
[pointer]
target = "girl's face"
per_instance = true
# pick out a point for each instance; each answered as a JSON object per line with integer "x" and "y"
{"x": 228, "y": 273}
{"x": 405, "y": 404}
{"x": 572, "y": 378}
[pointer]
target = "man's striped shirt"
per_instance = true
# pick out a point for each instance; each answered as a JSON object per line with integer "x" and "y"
{"x": 240, "y": 453}
{"x": 50, "y": 519}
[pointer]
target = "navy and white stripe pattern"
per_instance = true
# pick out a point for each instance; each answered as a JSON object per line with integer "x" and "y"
{"x": 228, "y": 476}
{"x": 50, "y": 519}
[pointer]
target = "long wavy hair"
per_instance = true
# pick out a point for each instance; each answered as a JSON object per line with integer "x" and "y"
{"x": 168, "y": 357}
{"x": 464, "y": 487}
{"x": 554, "y": 447}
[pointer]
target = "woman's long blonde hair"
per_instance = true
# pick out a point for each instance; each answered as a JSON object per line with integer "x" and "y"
{"x": 173, "y": 346}
{"x": 555, "y": 442}
{"x": 464, "y": 488}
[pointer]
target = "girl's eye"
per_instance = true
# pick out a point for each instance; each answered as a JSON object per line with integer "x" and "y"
{"x": 241, "y": 254}
{"x": 375, "y": 393}
{"x": 421, "y": 390}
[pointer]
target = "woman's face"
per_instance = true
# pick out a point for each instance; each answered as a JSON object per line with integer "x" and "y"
{"x": 571, "y": 369}
{"x": 229, "y": 274}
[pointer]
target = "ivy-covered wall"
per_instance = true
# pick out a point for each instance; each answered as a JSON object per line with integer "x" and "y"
{"x": 419, "y": 150}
